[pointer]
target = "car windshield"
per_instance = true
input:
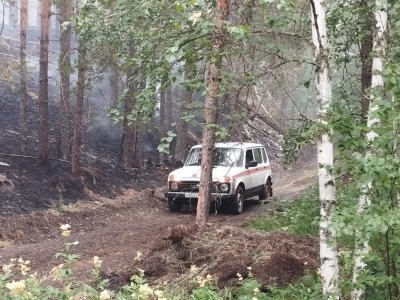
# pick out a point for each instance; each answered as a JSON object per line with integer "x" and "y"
{"x": 227, "y": 157}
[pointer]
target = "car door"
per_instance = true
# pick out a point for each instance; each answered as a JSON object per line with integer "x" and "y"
{"x": 259, "y": 173}
{"x": 249, "y": 180}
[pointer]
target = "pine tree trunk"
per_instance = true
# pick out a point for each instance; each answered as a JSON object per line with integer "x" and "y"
{"x": 212, "y": 78}
{"x": 139, "y": 144}
{"x": 78, "y": 123}
{"x": 379, "y": 49}
{"x": 327, "y": 234}
{"x": 162, "y": 131}
{"x": 168, "y": 108}
{"x": 43, "y": 123}
{"x": 24, "y": 94}
{"x": 65, "y": 11}
{"x": 128, "y": 140}
{"x": 366, "y": 45}
{"x": 114, "y": 90}
{"x": 162, "y": 112}
{"x": 183, "y": 126}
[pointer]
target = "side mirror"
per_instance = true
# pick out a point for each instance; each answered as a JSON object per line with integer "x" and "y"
{"x": 251, "y": 164}
{"x": 179, "y": 163}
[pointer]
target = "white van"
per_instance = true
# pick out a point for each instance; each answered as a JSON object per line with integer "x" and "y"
{"x": 241, "y": 171}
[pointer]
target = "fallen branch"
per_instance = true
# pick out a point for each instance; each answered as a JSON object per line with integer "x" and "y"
{"x": 6, "y": 183}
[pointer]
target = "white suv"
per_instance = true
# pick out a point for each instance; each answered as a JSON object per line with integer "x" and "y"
{"x": 241, "y": 171}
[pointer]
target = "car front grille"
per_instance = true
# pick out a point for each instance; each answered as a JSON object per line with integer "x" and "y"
{"x": 192, "y": 187}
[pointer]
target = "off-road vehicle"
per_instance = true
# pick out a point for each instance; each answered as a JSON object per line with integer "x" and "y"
{"x": 240, "y": 171}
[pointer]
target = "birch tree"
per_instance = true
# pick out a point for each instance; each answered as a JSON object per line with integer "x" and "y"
{"x": 327, "y": 234}
{"x": 379, "y": 49}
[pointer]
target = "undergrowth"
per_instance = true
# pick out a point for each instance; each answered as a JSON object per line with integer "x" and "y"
{"x": 17, "y": 282}
{"x": 299, "y": 216}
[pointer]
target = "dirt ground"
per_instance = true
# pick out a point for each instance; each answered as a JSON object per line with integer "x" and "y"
{"x": 115, "y": 214}
{"x": 116, "y": 228}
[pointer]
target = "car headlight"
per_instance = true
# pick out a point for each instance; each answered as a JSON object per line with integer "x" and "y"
{"x": 224, "y": 179}
{"x": 174, "y": 186}
{"x": 224, "y": 187}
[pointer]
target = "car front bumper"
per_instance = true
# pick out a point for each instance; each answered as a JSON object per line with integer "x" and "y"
{"x": 182, "y": 195}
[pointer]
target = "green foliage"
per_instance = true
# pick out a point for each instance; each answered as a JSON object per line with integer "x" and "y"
{"x": 307, "y": 288}
{"x": 296, "y": 137}
{"x": 372, "y": 170}
{"x": 165, "y": 143}
{"x": 157, "y": 41}
{"x": 298, "y": 217}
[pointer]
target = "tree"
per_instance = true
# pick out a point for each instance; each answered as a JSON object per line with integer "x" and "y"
{"x": 366, "y": 44}
{"x": 212, "y": 78}
{"x": 43, "y": 135}
{"x": 377, "y": 82}
{"x": 22, "y": 74}
{"x": 64, "y": 145}
{"x": 128, "y": 135}
{"x": 162, "y": 121}
{"x": 182, "y": 126}
{"x": 327, "y": 234}
{"x": 168, "y": 108}
{"x": 78, "y": 122}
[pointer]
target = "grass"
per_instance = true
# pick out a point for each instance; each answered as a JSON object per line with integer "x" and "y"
{"x": 299, "y": 216}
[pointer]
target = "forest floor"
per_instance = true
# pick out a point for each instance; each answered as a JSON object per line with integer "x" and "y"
{"x": 114, "y": 215}
{"x": 137, "y": 219}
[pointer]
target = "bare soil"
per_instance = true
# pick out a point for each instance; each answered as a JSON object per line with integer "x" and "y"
{"x": 115, "y": 214}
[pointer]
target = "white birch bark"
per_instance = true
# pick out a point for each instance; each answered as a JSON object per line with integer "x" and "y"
{"x": 379, "y": 48}
{"x": 327, "y": 234}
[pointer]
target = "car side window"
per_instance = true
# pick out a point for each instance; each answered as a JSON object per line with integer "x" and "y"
{"x": 249, "y": 155}
{"x": 257, "y": 155}
{"x": 264, "y": 154}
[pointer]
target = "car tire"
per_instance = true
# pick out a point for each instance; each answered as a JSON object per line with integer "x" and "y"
{"x": 174, "y": 204}
{"x": 266, "y": 193}
{"x": 238, "y": 201}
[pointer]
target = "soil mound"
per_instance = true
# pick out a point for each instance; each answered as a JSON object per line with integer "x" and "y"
{"x": 229, "y": 254}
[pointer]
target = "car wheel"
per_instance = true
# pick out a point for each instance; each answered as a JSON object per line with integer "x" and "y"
{"x": 238, "y": 201}
{"x": 174, "y": 204}
{"x": 266, "y": 193}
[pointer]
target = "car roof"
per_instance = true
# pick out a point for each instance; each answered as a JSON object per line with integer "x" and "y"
{"x": 239, "y": 145}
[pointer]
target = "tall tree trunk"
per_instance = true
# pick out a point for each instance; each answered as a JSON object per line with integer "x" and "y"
{"x": 366, "y": 45}
{"x": 139, "y": 144}
{"x": 327, "y": 234}
{"x": 183, "y": 126}
{"x": 162, "y": 112}
{"x": 379, "y": 49}
{"x": 212, "y": 78}
{"x": 162, "y": 131}
{"x": 43, "y": 134}
{"x": 128, "y": 138}
{"x": 65, "y": 10}
{"x": 114, "y": 90}
{"x": 168, "y": 108}
{"x": 78, "y": 122}
{"x": 23, "y": 131}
